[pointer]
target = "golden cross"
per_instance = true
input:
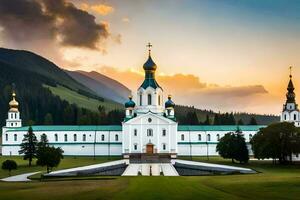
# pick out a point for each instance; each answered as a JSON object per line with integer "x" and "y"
{"x": 290, "y": 71}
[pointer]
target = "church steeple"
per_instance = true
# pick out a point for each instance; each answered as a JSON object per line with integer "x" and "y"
{"x": 290, "y": 95}
{"x": 150, "y": 68}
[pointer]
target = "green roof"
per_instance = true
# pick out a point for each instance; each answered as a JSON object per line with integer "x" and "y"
{"x": 218, "y": 127}
{"x": 70, "y": 128}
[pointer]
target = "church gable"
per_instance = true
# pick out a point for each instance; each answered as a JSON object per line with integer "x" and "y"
{"x": 150, "y": 118}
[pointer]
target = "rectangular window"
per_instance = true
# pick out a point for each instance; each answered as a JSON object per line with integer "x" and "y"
{"x": 164, "y": 132}
{"x": 135, "y": 132}
{"x": 6, "y": 137}
{"x": 141, "y": 100}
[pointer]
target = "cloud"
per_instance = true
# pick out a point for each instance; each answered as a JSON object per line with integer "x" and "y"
{"x": 101, "y": 9}
{"x": 58, "y": 21}
{"x": 188, "y": 89}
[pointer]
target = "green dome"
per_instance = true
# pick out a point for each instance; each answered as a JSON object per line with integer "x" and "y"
{"x": 130, "y": 103}
{"x": 169, "y": 103}
{"x": 149, "y": 64}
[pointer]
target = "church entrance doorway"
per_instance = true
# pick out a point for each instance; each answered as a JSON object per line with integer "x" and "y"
{"x": 149, "y": 148}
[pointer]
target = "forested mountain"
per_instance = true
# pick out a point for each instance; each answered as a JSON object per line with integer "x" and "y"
{"x": 192, "y": 115}
{"x": 33, "y": 76}
{"x": 102, "y": 85}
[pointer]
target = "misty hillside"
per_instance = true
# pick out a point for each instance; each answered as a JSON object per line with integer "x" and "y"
{"x": 102, "y": 85}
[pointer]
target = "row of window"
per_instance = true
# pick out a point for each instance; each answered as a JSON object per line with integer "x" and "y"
{"x": 295, "y": 117}
{"x": 66, "y": 137}
{"x": 150, "y": 132}
{"x": 209, "y": 137}
{"x": 149, "y": 99}
{"x": 13, "y": 116}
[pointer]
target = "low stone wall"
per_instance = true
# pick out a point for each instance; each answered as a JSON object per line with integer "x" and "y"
{"x": 113, "y": 170}
{"x": 196, "y": 170}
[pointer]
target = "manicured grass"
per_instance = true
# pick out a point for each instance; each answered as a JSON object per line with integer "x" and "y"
{"x": 275, "y": 182}
{"x": 81, "y": 100}
{"x": 67, "y": 162}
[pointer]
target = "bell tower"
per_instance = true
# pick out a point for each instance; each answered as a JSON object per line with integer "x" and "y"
{"x": 150, "y": 94}
{"x": 13, "y": 119}
{"x": 290, "y": 111}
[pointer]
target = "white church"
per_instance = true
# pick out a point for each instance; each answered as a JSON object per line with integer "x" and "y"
{"x": 149, "y": 128}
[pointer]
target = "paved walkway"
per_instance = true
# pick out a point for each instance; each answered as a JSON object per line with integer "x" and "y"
{"x": 19, "y": 178}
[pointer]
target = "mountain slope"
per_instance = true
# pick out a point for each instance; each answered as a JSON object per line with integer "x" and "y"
{"x": 111, "y": 83}
{"x": 32, "y": 62}
{"x": 102, "y": 85}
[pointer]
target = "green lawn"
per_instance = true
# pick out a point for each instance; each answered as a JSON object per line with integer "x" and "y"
{"x": 81, "y": 100}
{"x": 274, "y": 182}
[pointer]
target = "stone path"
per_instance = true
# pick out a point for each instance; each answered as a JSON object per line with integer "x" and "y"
{"x": 19, "y": 178}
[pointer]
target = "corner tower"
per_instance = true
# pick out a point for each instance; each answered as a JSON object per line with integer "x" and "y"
{"x": 13, "y": 119}
{"x": 290, "y": 111}
{"x": 150, "y": 94}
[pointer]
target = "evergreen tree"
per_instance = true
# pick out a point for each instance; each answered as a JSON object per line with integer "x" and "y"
{"x": 29, "y": 146}
{"x": 192, "y": 118}
{"x": 240, "y": 122}
{"x": 43, "y": 142}
{"x": 48, "y": 119}
{"x": 252, "y": 121}
{"x": 216, "y": 119}
{"x": 207, "y": 121}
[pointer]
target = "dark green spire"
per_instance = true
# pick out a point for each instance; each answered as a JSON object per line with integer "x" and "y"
{"x": 290, "y": 95}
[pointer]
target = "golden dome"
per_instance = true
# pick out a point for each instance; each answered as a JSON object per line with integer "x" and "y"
{"x": 13, "y": 104}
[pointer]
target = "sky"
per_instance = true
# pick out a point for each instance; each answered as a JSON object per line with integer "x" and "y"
{"x": 225, "y": 55}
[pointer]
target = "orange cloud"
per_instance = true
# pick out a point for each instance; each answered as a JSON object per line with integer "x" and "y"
{"x": 101, "y": 9}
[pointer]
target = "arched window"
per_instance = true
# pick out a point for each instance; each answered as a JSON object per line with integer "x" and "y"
{"x": 116, "y": 138}
{"x": 208, "y": 137}
{"x": 75, "y": 137}
{"x": 164, "y": 146}
{"x": 149, "y": 132}
{"x": 159, "y": 100}
{"x": 135, "y": 132}
{"x": 66, "y": 137}
{"x": 295, "y": 117}
{"x": 84, "y": 137}
{"x": 15, "y": 137}
{"x": 11, "y": 115}
{"x": 56, "y": 137}
{"x": 164, "y": 132}
{"x": 149, "y": 99}
{"x": 102, "y": 138}
{"x": 141, "y": 99}
{"x": 199, "y": 137}
{"x": 182, "y": 137}
{"x": 6, "y": 137}
{"x": 284, "y": 116}
{"x": 135, "y": 146}
{"x": 218, "y": 137}
{"x": 250, "y": 137}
